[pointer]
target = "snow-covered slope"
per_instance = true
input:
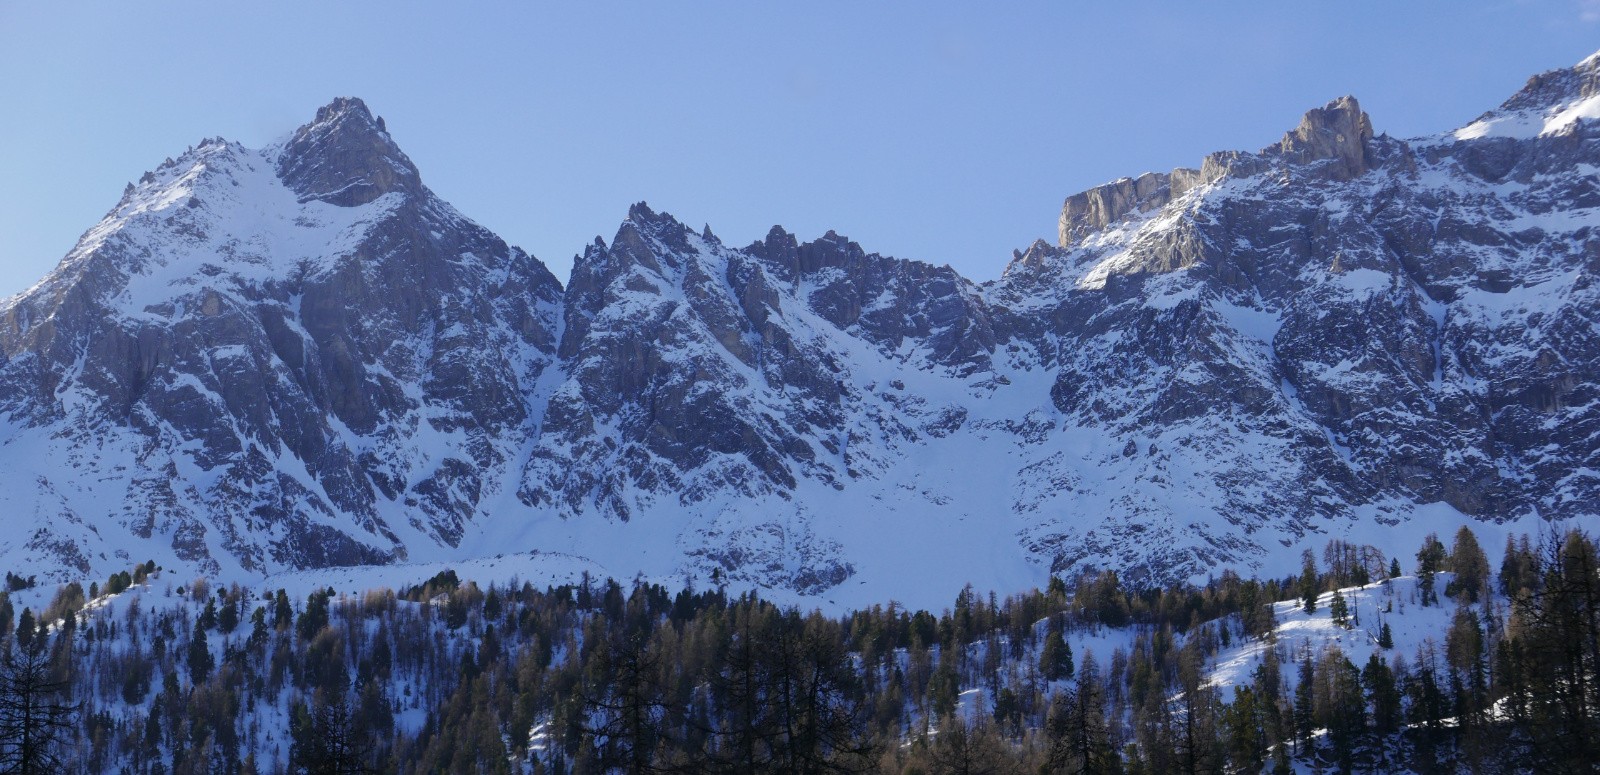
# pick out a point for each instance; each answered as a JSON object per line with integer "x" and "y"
{"x": 1396, "y": 603}
{"x": 266, "y": 361}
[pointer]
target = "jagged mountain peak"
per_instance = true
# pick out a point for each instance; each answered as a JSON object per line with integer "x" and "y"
{"x": 1339, "y": 132}
{"x": 342, "y": 109}
{"x": 662, "y": 225}
{"x": 777, "y": 234}
{"x": 345, "y": 157}
{"x": 640, "y": 211}
{"x": 1554, "y": 87}
{"x": 642, "y": 239}
{"x": 1549, "y": 103}
{"x": 1034, "y": 259}
{"x": 645, "y": 239}
{"x": 779, "y": 250}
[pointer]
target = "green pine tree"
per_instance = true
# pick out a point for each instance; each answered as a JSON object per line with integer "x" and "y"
{"x": 1309, "y": 588}
{"x": 1304, "y": 703}
{"x": 200, "y": 660}
{"x": 1055, "y": 659}
{"x": 208, "y": 617}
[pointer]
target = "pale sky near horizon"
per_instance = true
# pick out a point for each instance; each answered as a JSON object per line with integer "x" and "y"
{"x": 943, "y": 132}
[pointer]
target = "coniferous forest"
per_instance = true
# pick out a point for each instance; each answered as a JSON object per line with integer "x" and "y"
{"x": 142, "y": 674}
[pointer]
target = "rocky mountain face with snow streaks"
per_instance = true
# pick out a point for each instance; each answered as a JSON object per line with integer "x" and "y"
{"x": 300, "y": 357}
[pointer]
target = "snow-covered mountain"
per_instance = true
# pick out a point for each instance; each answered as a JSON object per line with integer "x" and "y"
{"x": 298, "y": 357}
{"x": 265, "y": 359}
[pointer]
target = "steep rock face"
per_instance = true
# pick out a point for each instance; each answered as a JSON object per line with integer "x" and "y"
{"x": 1091, "y": 211}
{"x": 672, "y": 346}
{"x": 925, "y": 314}
{"x": 345, "y": 157}
{"x": 698, "y": 376}
{"x": 1338, "y": 133}
{"x": 1399, "y": 322}
{"x": 1330, "y": 142}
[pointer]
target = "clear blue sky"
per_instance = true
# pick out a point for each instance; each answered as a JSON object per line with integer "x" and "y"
{"x": 944, "y": 132}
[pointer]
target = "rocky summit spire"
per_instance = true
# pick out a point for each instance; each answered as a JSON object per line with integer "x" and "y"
{"x": 1337, "y": 131}
{"x": 345, "y": 157}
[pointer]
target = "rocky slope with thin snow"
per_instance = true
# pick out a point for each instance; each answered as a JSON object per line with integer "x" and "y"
{"x": 299, "y": 357}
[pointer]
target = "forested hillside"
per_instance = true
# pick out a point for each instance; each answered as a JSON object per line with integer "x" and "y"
{"x": 1430, "y": 661}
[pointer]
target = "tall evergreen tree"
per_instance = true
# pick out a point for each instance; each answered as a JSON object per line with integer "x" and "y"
{"x": 1383, "y": 694}
{"x": 1468, "y": 659}
{"x": 1471, "y": 567}
{"x": 282, "y": 611}
{"x": 1346, "y": 709}
{"x": 199, "y": 659}
{"x": 1339, "y": 609}
{"x": 1055, "y": 658}
{"x": 1243, "y": 723}
{"x": 228, "y": 617}
{"x": 1305, "y": 703}
{"x": 1309, "y": 588}
{"x": 1517, "y": 568}
{"x": 1430, "y": 560}
{"x": 1080, "y": 739}
{"x": 25, "y": 628}
{"x": 208, "y": 615}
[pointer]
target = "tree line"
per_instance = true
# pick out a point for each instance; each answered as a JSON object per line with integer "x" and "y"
{"x": 602, "y": 677}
